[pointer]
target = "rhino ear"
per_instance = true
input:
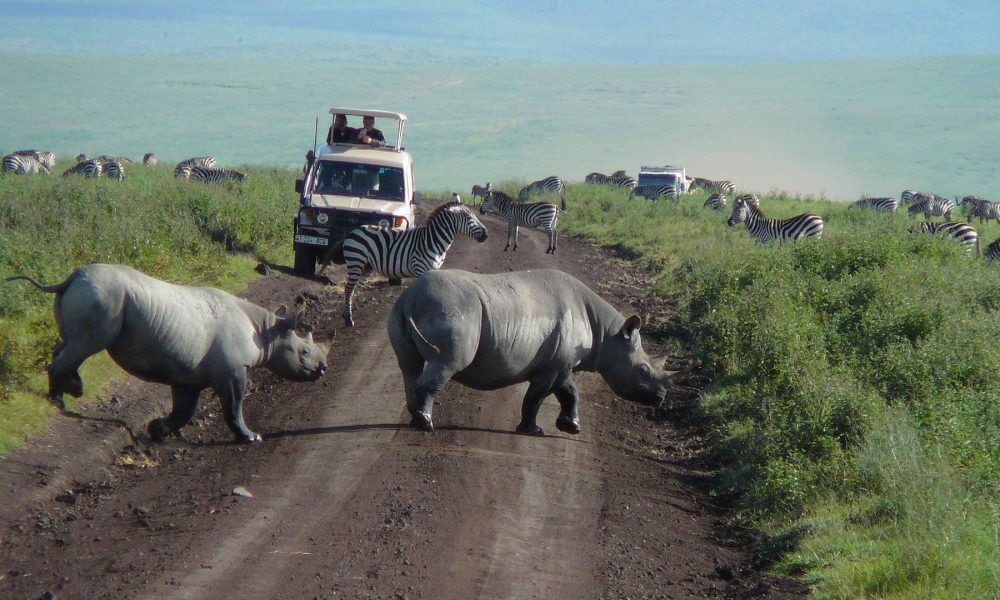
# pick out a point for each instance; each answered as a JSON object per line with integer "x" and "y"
{"x": 631, "y": 326}
{"x": 281, "y": 312}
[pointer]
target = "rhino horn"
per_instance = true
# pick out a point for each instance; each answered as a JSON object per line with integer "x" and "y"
{"x": 309, "y": 337}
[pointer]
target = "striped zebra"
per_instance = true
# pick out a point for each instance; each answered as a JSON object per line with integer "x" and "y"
{"x": 716, "y": 202}
{"x": 882, "y": 204}
{"x": 722, "y": 186}
{"x": 540, "y": 215}
{"x": 911, "y": 196}
{"x": 751, "y": 198}
{"x": 183, "y": 168}
{"x": 23, "y": 164}
{"x": 112, "y": 167}
{"x": 87, "y": 168}
{"x": 212, "y": 175}
{"x": 549, "y": 185}
{"x": 982, "y": 208}
{"x": 150, "y": 159}
{"x": 933, "y": 207}
{"x": 956, "y": 230}
{"x": 764, "y": 229}
{"x": 481, "y": 191}
{"x": 654, "y": 192}
{"x": 43, "y": 156}
{"x": 618, "y": 180}
{"x": 992, "y": 251}
{"x": 396, "y": 254}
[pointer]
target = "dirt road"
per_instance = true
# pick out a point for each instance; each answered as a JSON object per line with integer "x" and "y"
{"x": 348, "y": 502}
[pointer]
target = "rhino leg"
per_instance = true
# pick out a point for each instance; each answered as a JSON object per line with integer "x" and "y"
{"x": 569, "y": 403}
{"x": 426, "y": 387}
{"x": 185, "y": 401}
{"x": 231, "y": 395}
{"x": 538, "y": 389}
{"x": 68, "y": 356}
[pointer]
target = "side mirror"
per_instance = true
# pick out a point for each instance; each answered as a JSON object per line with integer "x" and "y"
{"x": 298, "y": 186}
{"x": 417, "y": 198}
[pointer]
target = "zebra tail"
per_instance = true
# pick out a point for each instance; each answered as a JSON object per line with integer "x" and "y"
{"x": 50, "y": 289}
{"x": 562, "y": 202}
{"x": 335, "y": 255}
{"x": 977, "y": 248}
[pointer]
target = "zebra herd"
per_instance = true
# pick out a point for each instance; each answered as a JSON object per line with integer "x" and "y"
{"x": 31, "y": 162}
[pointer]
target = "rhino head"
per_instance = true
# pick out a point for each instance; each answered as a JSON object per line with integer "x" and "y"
{"x": 627, "y": 368}
{"x": 291, "y": 356}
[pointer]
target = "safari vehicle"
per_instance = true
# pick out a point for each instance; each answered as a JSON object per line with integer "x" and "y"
{"x": 665, "y": 175}
{"x": 348, "y": 185}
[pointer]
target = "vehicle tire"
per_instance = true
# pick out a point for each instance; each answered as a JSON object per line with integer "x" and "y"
{"x": 305, "y": 262}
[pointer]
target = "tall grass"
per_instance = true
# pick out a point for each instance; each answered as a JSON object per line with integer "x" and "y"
{"x": 854, "y": 403}
{"x": 181, "y": 231}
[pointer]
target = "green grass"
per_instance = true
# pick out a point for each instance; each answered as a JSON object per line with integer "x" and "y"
{"x": 854, "y": 402}
{"x": 180, "y": 231}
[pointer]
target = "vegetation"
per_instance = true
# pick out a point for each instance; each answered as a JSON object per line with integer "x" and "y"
{"x": 180, "y": 231}
{"x": 855, "y": 404}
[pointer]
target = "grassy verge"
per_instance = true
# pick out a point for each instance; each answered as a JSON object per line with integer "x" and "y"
{"x": 180, "y": 231}
{"x": 854, "y": 402}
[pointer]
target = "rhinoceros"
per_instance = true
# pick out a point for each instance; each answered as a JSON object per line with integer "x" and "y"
{"x": 189, "y": 338}
{"x": 492, "y": 331}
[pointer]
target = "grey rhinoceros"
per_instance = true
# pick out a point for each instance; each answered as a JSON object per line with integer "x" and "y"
{"x": 189, "y": 338}
{"x": 492, "y": 331}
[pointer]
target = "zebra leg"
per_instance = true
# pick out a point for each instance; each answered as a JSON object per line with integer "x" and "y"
{"x": 355, "y": 277}
{"x": 515, "y": 238}
{"x": 511, "y": 228}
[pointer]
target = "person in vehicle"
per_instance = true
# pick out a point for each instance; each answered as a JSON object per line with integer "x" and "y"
{"x": 340, "y": 133}
{"x": 368, "y": 134}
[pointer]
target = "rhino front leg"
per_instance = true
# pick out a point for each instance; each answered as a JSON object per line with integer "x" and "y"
{"x": 538, "y": 389}
{"x": 231, "y": 396}
{"x": 569, "y": 407}
{"x": 185, "y": 401}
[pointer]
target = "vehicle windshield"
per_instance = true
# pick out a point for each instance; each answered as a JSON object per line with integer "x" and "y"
{"x": 353, "y": 179}
{"x": 658, "y": 179}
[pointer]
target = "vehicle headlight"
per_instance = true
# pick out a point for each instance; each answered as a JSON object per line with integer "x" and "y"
{"x": 383, "y": 222}
{"x": 322, "y": 218}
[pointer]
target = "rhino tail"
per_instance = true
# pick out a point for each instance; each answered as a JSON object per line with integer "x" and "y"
{"x": 51, "y": 289}
{"x": 413, "y": 326}
{"x": 335, "y": 255}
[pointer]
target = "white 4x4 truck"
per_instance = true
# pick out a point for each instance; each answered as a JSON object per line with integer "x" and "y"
{"x": 347, "y": 185}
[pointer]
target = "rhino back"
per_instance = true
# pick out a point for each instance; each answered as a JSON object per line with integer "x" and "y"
{"x": 523, "y": 322}
{"x": 175, "y": 334}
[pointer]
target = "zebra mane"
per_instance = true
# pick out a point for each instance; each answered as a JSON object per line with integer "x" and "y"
{"x": 443, "y": 208}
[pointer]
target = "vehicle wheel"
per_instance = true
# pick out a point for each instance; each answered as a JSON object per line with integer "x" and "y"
{"x": 305, "y": 262}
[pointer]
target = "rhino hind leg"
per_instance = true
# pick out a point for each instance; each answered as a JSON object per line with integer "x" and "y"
{"x": 430, "y": 382}
{"x": 64, "y": 375}
{"x": 185, "y": 401}
{"x": 569, "y": 407}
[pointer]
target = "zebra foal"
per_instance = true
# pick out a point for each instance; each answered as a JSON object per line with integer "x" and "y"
{"x": 764, "y": 229}
{"x": 964, "y": 233}
{"x": 540, "y": 215}
{"x": 716, "y": 202}
{"x": 397, "y": 254}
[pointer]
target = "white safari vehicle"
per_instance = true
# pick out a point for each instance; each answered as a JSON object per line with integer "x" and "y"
{"x": 665, "y": 175}
{"x": 347, "y": 185}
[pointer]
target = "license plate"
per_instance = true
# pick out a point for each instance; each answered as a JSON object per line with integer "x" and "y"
{"x": 312, "y": 240}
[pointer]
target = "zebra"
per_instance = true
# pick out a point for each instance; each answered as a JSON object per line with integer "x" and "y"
{"x": 540, "y": 215}
{"x": 982, "y": 208}
{"x": 23, "y": 164}
{"x": 881, "y": 204}
{"x": 208, "y": 174}
{"x": 764, "y": 229}
{"x": 150, "y": 159}
{"x": 654, "y": 192}
{"x": 932, "y": 207}
{"x": 619, "y": 179}
{"x": 751, "y": 198}
{"x": 911, "y": 196}
{"x": 962, "y": 232}
{"x": 549, "y": 185}
{"x": 183, "y": 168}
{"x": 716, "y": 202}
{"x": 88, "y": 168}
{"x": 43, "y": 156}
{"x": 722, "y": 186}
{"x": 480, "y": 191}
{"x": 396, "y": 254}
{"x": 112, "y": 166}
{"x": 992, "y": 251}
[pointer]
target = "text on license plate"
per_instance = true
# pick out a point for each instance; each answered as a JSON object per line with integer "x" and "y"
{"x": 311, "y": 239}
